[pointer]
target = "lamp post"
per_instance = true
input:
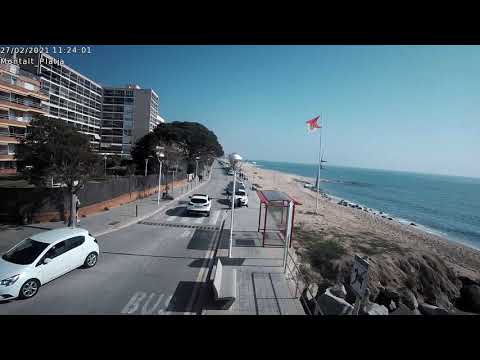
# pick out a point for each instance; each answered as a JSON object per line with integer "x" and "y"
{"x": 234, "y": 160}
{"x": 105, "y": 167}
{"x": 146, "y": 166}
{"x": 196, "y": 168}
{"x": 160, "y": 155}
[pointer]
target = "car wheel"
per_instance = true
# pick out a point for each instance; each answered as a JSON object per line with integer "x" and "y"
{"x": 208, "y": 213}
{"x": 29, "y": 289}
{"x": 91, "y": 260}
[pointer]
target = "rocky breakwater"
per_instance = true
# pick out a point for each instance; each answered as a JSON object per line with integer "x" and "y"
{"x": 429, "y": 288}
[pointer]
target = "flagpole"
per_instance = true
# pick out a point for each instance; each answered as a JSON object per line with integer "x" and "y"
{"x": 319, "y": 165}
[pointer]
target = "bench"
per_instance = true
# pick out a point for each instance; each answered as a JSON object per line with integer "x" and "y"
{"x": 224, "y": 283}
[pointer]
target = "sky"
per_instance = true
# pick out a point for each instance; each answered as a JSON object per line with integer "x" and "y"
{"x": 410, "y": 108}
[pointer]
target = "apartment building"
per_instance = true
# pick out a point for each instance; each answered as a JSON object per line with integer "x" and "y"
{"x": 128, "y": 113}
{"x": 20, "y": 102}
{"x": 72, "y": 97}
{"x": 113, "y": 117}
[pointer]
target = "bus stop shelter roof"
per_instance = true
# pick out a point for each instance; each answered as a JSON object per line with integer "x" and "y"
{"x": 273, "y": 196}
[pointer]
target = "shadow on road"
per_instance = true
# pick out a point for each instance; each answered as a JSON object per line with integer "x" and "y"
{"x": 201, "y": 240}
{"x": 181, "y": 297}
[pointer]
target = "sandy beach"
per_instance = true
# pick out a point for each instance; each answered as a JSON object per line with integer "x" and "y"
{"x": 396, "y": 250}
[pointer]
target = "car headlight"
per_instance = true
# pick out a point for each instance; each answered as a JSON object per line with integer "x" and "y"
{"x": 10, "y": 281}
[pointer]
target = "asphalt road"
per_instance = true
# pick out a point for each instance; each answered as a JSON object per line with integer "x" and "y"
{"x": 154, "y": 267}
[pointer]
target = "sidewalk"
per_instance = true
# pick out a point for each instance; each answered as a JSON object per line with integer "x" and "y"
{"x": 120, "y": 217}
{"x": 262, "y": 288}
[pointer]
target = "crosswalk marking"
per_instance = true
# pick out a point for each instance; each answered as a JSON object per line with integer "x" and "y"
{"x": 213, "y": 220}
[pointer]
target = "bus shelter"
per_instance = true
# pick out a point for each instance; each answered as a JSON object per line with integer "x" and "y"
{"x": 273, "y": 213}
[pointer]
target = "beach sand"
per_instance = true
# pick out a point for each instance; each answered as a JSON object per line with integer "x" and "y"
{"x": 388, "y": 243}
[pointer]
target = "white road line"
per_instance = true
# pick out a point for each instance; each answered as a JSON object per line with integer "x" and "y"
{"x": 148, "y": 305}
{"x": 203, "y": 270}
{"x": 186, "y": 233}
{"x": 214, "y": 219}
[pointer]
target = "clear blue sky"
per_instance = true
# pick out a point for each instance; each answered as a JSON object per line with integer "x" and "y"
{"x": 413, "y": 108}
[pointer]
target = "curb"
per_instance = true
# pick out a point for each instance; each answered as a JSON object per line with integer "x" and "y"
{"x": 137, "y": 220}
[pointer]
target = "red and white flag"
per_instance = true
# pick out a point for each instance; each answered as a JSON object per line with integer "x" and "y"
{"x": 312, "y": 125}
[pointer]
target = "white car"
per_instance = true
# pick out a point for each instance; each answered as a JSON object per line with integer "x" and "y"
{"x": 241, "y": 198}
{"x": 43, "y": 257}
{"x": 199, "y": 204}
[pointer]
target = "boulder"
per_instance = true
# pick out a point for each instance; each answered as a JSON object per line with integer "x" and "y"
{"x": 392, "y": 306}
{"x": 372, "y": 308}
{"x": 467, "y": 281}
{"x": 333, "y": 305}
{"x": 407, "y": 297}
{"x": 470, "y": 298}
{"x": 431, "y": 310}
{"x": 404, "y": 310}
{"x": 339, "y": 291}
{"x": 386, "y": 296}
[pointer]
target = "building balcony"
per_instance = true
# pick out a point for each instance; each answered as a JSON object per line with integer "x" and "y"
{"x": 21, "y": 87}
{"x": 22, "y": 74}
{"x": 10, "y": 137}
{"x": 8, "y": 102}
{"x": 13, "y": 120}
{"x": 4, "y": 157}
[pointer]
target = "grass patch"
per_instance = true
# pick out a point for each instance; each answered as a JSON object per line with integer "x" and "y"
{"x": 327, "y": 250}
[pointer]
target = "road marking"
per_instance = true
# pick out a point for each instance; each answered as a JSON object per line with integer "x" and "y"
{"x": 213, "y": 221}
{"x": 153, "y": 303}
{"x": 186, "y": 233}
{"x": 203, "y": 270}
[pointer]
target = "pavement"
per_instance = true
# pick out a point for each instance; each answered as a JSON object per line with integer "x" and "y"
{"x": 158, "y": 263}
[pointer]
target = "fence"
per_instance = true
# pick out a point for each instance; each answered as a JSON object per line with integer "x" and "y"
{"x": 51, "y": 204}
{"x": 302, "y": 287}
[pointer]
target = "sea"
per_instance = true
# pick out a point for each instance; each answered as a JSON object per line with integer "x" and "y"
{"x": 448, "y": 206}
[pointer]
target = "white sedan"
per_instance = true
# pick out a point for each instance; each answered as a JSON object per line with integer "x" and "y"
{"x": 43, "y": 257}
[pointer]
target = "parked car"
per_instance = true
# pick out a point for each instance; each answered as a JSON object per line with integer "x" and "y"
{"x": 241, "y": 197}
{"x": 238, "y": 185}
{"x": 199, "y": 204}
{"x": 44, "y": 257}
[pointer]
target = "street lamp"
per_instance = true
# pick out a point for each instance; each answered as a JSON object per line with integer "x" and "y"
{"x": 105, "y": 167}
{"x": 196, "y": 168}
{"x": 160, "y": 155}
{"x": 146, "y": 165}
{"x": 235, "y": 159}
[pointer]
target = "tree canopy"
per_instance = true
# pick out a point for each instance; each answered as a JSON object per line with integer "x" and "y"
{"x": 181, "y": 140}
{"x": 54, "y": 149}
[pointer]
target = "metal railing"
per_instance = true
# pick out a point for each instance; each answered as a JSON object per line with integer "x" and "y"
{"x": 8, "y": 79}
{"x": 302, "y": 287}
{"x": 22, "y": 102}
{"x": 16, "y": 118}
{"x": 18, "y": 71}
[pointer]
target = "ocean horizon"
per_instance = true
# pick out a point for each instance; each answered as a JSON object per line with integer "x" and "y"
{"x": 446, "y": 205}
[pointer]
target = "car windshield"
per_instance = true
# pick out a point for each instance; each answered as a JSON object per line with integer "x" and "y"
{"x": 25, "y": 253}
{"x": 199, "y": 201}
{"x": 240, "y": 192}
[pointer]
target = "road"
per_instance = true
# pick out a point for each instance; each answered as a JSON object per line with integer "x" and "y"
{"x": 153, "y": 267}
